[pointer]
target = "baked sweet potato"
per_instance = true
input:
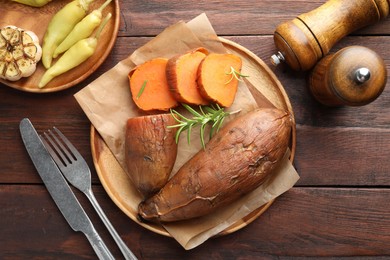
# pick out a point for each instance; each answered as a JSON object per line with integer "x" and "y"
{"x": 149, "y": 86}
{"x": 150, "y": 151}
{"x": 218, "y": 78}
{"x": 182, "y": 72}
{"x": 234, "y": 162}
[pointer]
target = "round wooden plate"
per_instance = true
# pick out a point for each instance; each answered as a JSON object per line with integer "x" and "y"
{"x": 118, "y": 185}
{"x": 36, "y": 20}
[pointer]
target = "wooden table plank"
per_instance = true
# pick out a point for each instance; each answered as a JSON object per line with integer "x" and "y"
{"x": 324, "y": 156}
{"x": 251, "y": 17}
{"x": 302, "y": 222}
{"x": 343, "y": 156}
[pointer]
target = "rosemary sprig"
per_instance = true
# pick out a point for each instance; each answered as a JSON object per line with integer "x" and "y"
{"x": 235, "y": 74}
{"x": 212, "y": 115}
{"x": 141, "y": 89}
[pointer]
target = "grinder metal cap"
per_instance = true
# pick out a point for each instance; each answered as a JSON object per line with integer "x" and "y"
{"x": 357, "y": 75}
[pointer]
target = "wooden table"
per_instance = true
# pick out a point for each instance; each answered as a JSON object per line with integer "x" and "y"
{"x": 339, "y": 207}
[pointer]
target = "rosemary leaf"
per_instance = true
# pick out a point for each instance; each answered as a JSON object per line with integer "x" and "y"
{"x": 141, "y": 89}
{"x": 219, "y": 123}
{"x": 193, "y": 111}
{"x": 211, "y": 109}
{"x": 179, "y": 132}
{"x": 175, "y": 115}
{"x": 202, "y": 127}
{"x": 235, "y": 74}
{"x": 189, "y": 133}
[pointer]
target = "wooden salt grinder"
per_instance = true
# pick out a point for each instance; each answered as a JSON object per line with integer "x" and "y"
{"x": 309, "y": 37}
{"x": 353, "y": 76}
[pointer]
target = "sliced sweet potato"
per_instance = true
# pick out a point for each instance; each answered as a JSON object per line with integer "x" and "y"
{"x": 182, "y": 71}
{"x": 150, "y": 151}
{"x": 149, "y": 86}
{"x": 216, "y": 81}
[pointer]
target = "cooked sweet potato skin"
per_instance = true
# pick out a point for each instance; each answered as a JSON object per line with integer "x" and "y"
{"x": 214, "y": 81}
{"x": 235, "y": 161}
{"x": 149, "y": 86}
{"x": 182, "y": 73}
{"x": 150, "y": 151}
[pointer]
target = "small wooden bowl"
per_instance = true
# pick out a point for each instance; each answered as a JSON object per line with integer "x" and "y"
{"x": 37, "y": 20}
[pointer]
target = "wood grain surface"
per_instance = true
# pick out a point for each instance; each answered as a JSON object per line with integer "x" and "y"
{"x": 337, "y": 209}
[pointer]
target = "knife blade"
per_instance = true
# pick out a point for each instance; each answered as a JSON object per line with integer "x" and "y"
{"x": 59, "y": 189}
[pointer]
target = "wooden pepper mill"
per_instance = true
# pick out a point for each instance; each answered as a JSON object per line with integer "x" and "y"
{"x": 309, "y": 37}
{"x": 353, "y": 76}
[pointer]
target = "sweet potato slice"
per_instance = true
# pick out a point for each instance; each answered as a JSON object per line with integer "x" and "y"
{"x": 182, "y": 71}
{"x": 149, "y": 86}
{"x": 150, "y": 151}
{"x": 235, "y": 161}
{"x": 214, "y": 81}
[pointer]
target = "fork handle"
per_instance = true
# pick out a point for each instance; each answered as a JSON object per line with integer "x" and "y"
{"x": 98, "y": 245}
{"x": 122, "y": 246}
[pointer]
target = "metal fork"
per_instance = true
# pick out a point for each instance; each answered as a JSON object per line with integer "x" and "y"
{"x": 76, "y": 171}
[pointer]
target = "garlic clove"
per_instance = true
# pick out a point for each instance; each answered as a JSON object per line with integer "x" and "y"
{"x": 3, "y": 42}
{"x": 12, "y": 72}
{"x": 26, "y": 66}
{"x": 3, "y": 66}
{"x": 29, "y": 37}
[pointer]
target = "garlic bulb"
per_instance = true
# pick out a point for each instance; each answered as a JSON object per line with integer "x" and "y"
{"x": 19, "y": 53}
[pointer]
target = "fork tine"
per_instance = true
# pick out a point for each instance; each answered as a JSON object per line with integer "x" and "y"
{"x": 60, "y": 148}
{"x": 48, "y": 142}
{"x": 70, "y": 146}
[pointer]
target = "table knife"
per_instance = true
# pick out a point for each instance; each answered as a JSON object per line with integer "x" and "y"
{"x": 59, "y": 189}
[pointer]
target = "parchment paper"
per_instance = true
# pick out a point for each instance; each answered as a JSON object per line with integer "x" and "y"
{"x": 108, "y": 104}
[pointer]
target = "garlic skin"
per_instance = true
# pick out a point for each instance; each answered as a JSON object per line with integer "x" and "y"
{"x": 20, "y": 52}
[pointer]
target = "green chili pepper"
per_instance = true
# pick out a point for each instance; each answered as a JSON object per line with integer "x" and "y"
{"x": 74, "y": 56}
{"x": 35, "y": 3}
{"x": 60, "y": 26}
{"x": 82, "y": 30}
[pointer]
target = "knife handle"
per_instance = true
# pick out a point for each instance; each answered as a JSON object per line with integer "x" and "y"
{"x": 99, "y": 246}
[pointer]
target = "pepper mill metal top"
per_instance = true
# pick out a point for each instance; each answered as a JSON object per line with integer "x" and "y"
{"x": 362, "y": 75}
{"x": 353, "y": 76}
